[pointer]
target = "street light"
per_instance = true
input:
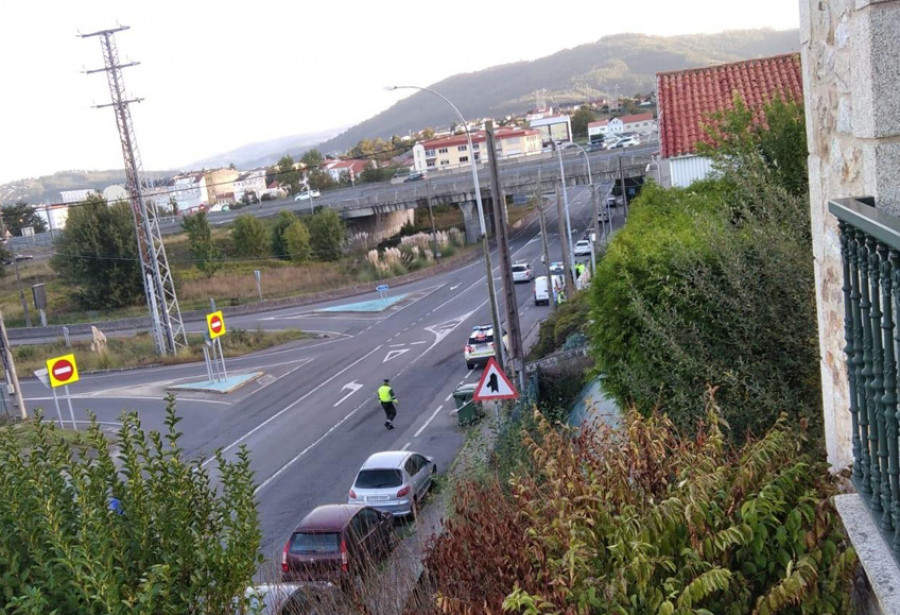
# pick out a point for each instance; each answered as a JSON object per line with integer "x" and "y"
{"x": 587, "y": 161}
{"x": 562, "y": 175}
{"x": 484, "y": 238}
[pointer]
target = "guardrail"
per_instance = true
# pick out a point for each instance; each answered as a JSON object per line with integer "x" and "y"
{"x": 870, "y": 254}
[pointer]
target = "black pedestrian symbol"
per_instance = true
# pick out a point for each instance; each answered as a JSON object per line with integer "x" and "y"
{"x": 493, "y": 385}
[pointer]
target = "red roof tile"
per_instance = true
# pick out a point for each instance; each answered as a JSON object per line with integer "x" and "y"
{"x": 687, "y": 98}
{"x": 479, "y": 136}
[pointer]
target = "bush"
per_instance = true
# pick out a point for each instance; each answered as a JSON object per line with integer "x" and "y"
{"x": 567, "y": 319}
{"x": 249, "y": 237}
{"x": 642, "y": 520}
{"x": 327, "y": 234}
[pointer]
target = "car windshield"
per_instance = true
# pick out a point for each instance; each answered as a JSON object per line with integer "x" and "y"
{"x": 481, "y": 337}
{"x": 315, "y": 542}
{"x": 519, "y": 268}
{"x": 378, "y": 479}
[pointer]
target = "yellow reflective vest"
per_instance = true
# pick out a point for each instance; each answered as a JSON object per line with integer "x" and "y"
{"x": 386, "y": 393}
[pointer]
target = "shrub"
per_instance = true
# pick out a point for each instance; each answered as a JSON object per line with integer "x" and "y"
{"x": 297, "y": 242}
{"x": 249, "y": 237}
{"x": 643, "y": 520}
{"x": 326, "y": 231}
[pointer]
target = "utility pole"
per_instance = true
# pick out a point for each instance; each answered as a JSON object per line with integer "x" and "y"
{"x": 9, "y": 366}
{"x": 546, "y": 248}
{"x": 509, "y": 290}
{"x": 159, "y": 287}
{"x": 434, "y": 247}
{"x": 564, "y": 244}
{"x": 624, "y": 191}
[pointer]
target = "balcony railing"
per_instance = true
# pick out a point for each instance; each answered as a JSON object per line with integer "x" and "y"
{"x": 870, "y": 252}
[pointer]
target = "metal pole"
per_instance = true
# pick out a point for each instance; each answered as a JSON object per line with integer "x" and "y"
{"x": 484, "y": 238}
{"x": 21, "y": 292}
{"x": 71, "y": 411}
{"x": 546, "y": 248}
{"x": 594, "y": 213}
{"x": 10, "y": 366}
{"x": 434, "y": 247}
{"x": 206, "y": 361}
{"x": 56, "y": 403}
{"x": 563, "y": 244}
{"x": 222, "y": 355}
{"x": 565, "y": 194}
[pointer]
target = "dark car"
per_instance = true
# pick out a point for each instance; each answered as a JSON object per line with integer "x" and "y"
{"x": 336, "y": 542}
{"x": 413, "y": 177}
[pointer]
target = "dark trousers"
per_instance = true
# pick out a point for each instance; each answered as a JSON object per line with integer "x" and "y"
{"x": 389, "y": 410}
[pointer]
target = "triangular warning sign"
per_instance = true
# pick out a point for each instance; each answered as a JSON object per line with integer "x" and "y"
{"x": 494, "y": 384}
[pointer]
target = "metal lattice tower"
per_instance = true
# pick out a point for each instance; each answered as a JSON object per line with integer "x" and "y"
{"x": 159, "y": 288}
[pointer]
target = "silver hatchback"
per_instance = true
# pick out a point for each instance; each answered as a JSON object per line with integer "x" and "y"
{"x": 393, "y": 481}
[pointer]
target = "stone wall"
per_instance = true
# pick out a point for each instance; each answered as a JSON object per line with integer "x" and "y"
{"x": 851, "y": 74}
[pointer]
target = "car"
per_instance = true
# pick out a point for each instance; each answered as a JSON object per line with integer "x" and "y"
{"x": 393, "y": 481}
{"x": 610, "y": 143}
{"x": 628, "y": 142}
{"x": 16, "y": 258}
{"x": 612, "y": 201}
{"x": 594, "y": 147}
{"x": 295, "y": 598}
{"x": 399, "y": 177}
{"x": 582, "y": 247}
{"x": 416, "y": 176}
{"x": 603, "y": 215}
{"x": 480, "y": 345}
{"x": 337, "y": 542}
{"x": 522, "y": 272}
{"x": 557, "y": 268}
{"x": 307, "y": 194}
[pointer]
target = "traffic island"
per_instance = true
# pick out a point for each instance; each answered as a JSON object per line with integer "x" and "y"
{"x": 226, "y": 385}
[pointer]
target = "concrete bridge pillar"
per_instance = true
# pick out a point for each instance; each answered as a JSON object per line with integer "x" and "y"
{"x": 380, "y": 224}
{"x": 470, "y": 218}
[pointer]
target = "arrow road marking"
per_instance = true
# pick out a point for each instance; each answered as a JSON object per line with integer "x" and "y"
{"x": 455, "y": 287}
{"x": 353, "y": 386}
{"x": 393, "y": 354}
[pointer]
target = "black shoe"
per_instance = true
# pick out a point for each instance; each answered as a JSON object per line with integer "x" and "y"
{"x": 387, "y": 425}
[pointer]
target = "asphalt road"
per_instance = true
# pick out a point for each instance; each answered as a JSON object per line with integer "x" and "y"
{"x": 312, "y": 417}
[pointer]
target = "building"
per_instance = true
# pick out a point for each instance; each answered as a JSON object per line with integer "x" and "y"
{"x": 76, "y": 196}
{"x": 351, "y": 169}
{"x": 190, "y": 192}
{"x": 250, "y": 182}
{"x": 688, "y": 98}
{"x": 114, "y": 193}
{"x": 220, "y": 185}
{"x": 642, "y": 123}
{"x": 553, "y": 127}
{"x": 453, "y": 151}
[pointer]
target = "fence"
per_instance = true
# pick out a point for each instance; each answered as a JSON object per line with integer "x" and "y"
{"x": 870, "y": 254}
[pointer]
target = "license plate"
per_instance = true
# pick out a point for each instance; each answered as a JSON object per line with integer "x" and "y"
{"x": 377, "y": 498}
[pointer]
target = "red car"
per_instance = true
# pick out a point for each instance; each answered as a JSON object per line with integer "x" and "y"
{"x": 336, "y": 542}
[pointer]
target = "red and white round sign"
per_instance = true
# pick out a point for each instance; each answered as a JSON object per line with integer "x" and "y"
{"x": 62, "y": 370}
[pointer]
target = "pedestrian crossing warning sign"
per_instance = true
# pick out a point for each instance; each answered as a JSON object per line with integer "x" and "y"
{"x": 494, "y": 384}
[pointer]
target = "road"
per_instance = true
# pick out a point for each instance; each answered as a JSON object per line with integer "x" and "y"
{"x": 312, "y": 417}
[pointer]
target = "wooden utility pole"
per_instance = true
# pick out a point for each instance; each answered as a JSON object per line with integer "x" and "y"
{"x": 10, "y": 367}
{"x": 509, "y": 290}
{"x": 564, "y": 244}
{"x": 624, "y": 191}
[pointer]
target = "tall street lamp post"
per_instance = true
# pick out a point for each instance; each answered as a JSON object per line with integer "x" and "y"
{"x": 594, "y": 214}
{"x": 562, "y": 176}
{"x": 495, "y": 315}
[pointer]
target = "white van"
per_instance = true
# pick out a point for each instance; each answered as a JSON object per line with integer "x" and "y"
{"x": 541, "y": 291}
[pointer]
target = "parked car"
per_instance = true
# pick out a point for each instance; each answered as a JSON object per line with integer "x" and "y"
{"x": 612, "y": 201}
{"x": 603, "y": 215}
{"x": 541, "y": 290}
{"x": 307, "y": 194}
{"x": 582, "y": 247}
{"x": 335, "y": 542}
{"x": 393, "y": 481}
{"x": 557, "y": 268}
{"x": 17, "y": 258}
{"x": 480, "y": 345}
{"x": 296, "y": 599}
{"x": 522, "y": 272}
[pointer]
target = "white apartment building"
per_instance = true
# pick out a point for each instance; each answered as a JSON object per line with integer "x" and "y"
{"x": 453, "y": 151}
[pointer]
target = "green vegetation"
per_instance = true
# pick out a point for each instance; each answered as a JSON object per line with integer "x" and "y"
{"x": 285, "y": 219}
{"x": 248, "y": 235}
{"x": 17, "y": 216}
{"x": 642, "y": 520}
{"x": 204, "y": 252}
{"x": 80, "y": 536}
{"x": 713, "y": 286}
{"x": 580, "y": 120}
{"x": 96, "y": 258}
{"x": 326, "y": 234}
{"x": 568, "y": 319}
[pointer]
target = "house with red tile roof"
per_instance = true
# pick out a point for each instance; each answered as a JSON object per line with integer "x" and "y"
{"x": 338, "y": 169}
{"x": 453, "y": 151}
{"x": 641, "y": 123}
{"x": 687, "y": 99}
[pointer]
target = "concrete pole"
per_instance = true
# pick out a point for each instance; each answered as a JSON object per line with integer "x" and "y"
{"x": 564, "y": 244}
{"x": 10, "y": 366}
{"x": 546, "y": 248}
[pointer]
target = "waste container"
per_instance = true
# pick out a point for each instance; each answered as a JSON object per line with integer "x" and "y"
{"x": 468, "y": 411}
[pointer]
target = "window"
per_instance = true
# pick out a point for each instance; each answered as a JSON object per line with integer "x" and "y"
{"x": 429, "y": 152}
{"x": 315, "y": 542}
{"x": 475, "y": 146}
{"x": 443, "y": 150}
{"x": 444, "y": 163}
{"x": 461, "y": 148}
{"x": 430, "y": 164}
{"x": 378, "y": 479}
{"x": 463, "y": 159}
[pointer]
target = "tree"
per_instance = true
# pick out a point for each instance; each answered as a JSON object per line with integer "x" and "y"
{"x": 581, "y": 119}
{"x": 19, "y": 215}
{"x": 249, "y": 237}
{"x": 279, "y": 247}
{"x": 287, "y": 174}
{"x": 313, "y": 159}
{"x": 326, "y": 230}
{"x": 296, "y": 239}
{"x": 139, "y": 530}
{"x": 319, "y": 179}
{"x": 97, "y": 257}
{"x": 204, "y": 252}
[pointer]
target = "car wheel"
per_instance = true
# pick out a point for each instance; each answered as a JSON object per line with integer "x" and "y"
{"x": 469, "y": 365}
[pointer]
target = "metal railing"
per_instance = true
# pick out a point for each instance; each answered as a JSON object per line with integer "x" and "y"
{"x": 870, "y": 254}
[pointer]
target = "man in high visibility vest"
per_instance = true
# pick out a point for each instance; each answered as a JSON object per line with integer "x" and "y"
{"x": 388, "y": 402}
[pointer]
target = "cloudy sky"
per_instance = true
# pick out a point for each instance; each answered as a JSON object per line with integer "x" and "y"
{"x": 218, "y": 75}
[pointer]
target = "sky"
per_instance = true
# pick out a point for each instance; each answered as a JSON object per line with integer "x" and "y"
{"x": 214, "y": 76}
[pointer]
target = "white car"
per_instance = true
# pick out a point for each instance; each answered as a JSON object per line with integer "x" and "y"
{"x": 307, "y": 194}
{"x": 582, "y": 247}
{"x": 522, "y": 272}
{"x": 480, "y": 345}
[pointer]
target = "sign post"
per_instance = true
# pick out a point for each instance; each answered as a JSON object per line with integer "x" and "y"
{"x": 61, "y": 371}
{"x": 43, "y": 376}
{"x": 215, "y": 323}
{"x": 382, "y": 291}
{"x": 494, "y": 384}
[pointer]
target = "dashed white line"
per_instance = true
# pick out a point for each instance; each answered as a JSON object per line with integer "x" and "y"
{"x": 430, "y": 418}
{"x": 448, "y": 397}
{"x": 406, "y": 446}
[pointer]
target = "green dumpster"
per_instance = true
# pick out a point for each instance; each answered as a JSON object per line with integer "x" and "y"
{"x": 468, "y": 411}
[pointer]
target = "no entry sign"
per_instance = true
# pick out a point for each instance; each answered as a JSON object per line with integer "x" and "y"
{"x": 62, "y": 370}
{"x": 215, "y": 322}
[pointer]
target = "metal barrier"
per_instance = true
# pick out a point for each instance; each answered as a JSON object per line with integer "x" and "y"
{"x": 870, "y": 254}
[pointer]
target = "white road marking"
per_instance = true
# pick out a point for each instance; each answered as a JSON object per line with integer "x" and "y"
{"x": 353, "y": 386}
{"x": 448, "y": 397}
{"x": 148, "y": 397}
{"x": 406, "y": 446}
{"x": 430, "y": 418}
{"x": 281, "y": 470}
{"x": 455, "y": 287}
{"x": 393, "y": 354}
{"x": 415, "y": 343}
{"x": 294, "y": 403}
{"x": 397, "y": 345}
